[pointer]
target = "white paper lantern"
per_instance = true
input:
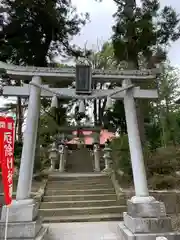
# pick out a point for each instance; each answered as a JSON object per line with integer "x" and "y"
{"x": 82, "y": 107}
{"x": 109, "y": 103}
{"x": 54, "y": 102}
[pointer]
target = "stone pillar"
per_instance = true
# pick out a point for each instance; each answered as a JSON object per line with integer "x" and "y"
{"x": 139, "y": 174}
{"x": 61, "y": 157}
{"x": 65, "y": 156}
{"x": 22, "y": 221}
{"x": 29, "y": 146}
{"x": 96, "y": 149}
{"x": 145, "y": 217}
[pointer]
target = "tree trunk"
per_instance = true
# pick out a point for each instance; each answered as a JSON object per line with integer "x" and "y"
{"x": 19, "y": 119}
{"x": 95, "y": 112}
{"x": 102, "y": 105}
{"x": 16, "y": 124}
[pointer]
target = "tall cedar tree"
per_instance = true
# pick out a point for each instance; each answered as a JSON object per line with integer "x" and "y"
{"x": 143, "y": 32}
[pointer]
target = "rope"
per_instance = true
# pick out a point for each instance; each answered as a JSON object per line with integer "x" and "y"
{"x": 87, "y": 97}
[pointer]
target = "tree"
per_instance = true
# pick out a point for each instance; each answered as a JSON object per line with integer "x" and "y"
{"x": 101, "y": 59}
{"x": 168, "y": 92}
{"x": 35, "y": 30}
{"x": 115, "y": 117}
{"x": 143, "y": 33}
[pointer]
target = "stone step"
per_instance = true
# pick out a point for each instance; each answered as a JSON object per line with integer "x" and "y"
{"x": 60, "y": 186}
{"x": 80, "y": 191}
{"x": 78, "y": 179}
{"x": 80, "y": 197}
{"x": 85, "y": 218}
{"x": 85, "y": 203}
{"x": 81, "y": 181}
{"x": 81, "y": 211}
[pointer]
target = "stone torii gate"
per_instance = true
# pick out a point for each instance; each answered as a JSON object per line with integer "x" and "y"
{"x": 145, "y": 214}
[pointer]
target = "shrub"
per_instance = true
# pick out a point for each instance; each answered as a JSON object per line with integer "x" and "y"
{"x": 121, "y": 155}
{"x": 161, "y": 165}
{"x": 160, "y": 182}
{"x": 164, "y": 161}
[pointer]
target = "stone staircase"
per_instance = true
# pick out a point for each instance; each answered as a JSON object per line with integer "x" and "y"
{"x": 81, "y": 198}
{"x": 80, "y": 161}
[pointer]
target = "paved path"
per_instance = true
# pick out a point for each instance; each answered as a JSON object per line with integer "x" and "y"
{"x": 83, "y": 231}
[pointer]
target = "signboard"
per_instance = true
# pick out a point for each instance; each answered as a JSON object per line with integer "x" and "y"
{"x": 7, "y": 156}
{"x": 83, "y": 79}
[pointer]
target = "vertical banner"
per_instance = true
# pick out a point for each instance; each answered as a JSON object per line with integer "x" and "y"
{"x": 7, "y": 156}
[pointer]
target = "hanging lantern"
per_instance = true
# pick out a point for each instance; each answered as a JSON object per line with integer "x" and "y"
{"x": 109, "y": 103}
{"x": 54, "y": 102}
{"x": 83, "y": 79}
{"x": 82, "y": 107}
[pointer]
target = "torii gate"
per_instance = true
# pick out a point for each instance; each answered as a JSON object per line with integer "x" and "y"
{"x": 83, "y": 76}
{"x": 35, "y": 90}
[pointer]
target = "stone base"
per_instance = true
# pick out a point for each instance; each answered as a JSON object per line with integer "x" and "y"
{"x": 146, "y": 221}
{"x": 150, "y": 209}
{"x": 20, "y": 211}
{"x": 148, "y": 225}
{"x": 23, "y": 230}
{"x": 126, "y": 234}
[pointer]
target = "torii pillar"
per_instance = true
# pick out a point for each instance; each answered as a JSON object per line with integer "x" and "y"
{"x": 146, "y": 217}
{"x": 30, "y": 136}
{"x": 23, "y": 221}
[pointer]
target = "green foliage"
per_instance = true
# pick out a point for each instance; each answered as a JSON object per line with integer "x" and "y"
{"x": 153, "y": 134}
{"x": 139, "y": 30}
{"x": 17, "y": 153}
{"x": 163, "y": 161}
{"x": 38, "y": 30}
{"x": 17, "y": 149}
{"x": 161, "y": 165}
{"x": 121, "y": 156}
{"x": 161, "y": 182}
{"x": 115, "y": 117}
{"x": 141, "y": 35}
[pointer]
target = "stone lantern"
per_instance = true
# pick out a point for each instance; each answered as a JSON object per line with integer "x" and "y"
{"x": 96, "y": 149}
{"x": 107, "y": 157}
{"x": 53, "y": 156}
{"x": 61, "y": 157}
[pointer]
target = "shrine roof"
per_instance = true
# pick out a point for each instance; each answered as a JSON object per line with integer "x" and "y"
{"x": 89, "y": 140}
{"x": 68, "y": 74}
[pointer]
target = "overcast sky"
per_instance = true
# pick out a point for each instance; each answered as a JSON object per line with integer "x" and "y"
{"x": 102, "y": 21}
